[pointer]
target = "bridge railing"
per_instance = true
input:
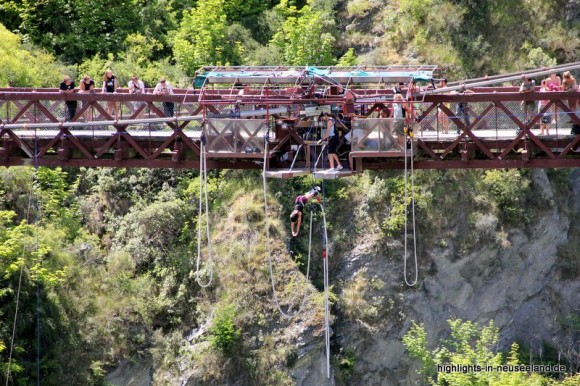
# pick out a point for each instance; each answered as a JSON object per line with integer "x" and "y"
{"x": 500, "y": 115}
{"x": 53, "y": 107}
{"x": 487, "y": 116}
{"x": 376, "y": 134}
{"x": 225, "y": 135}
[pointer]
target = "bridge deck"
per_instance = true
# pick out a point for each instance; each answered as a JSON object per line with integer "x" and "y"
{"x": 495, "y": 130}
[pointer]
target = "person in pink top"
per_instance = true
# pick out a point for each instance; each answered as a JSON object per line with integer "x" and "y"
{"x": 554, "y": 83}
{"x": 545, "y": 123}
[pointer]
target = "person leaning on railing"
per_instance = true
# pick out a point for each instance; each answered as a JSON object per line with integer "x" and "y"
{"x": 67, "y": 86}
{"x": 462, "y": 111}
{"x": 110, "y": 85}
{"x": 569, "y": 85}
{"x": 137, "y": 87}
{"x": 87, "y": 86}
{"x": 164, "y": 88}
{"x": 528, "y": 106}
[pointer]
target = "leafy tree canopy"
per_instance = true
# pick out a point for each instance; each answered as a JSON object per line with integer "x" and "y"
{"x": 202, "y": 38}
{"x": 470, "y": 345}
{"x": 305, "y": 37}
{"x": 22, "y": 65}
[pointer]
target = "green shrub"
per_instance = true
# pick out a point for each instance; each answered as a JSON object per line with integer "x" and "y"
{"x": 347, "y": 361}
{"x": 509, "y": 188}
{"x": 470, "y": 344}
{"x": 224, "y": 334}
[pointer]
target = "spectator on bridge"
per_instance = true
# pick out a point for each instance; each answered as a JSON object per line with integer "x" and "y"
{"x": 333, "y": 139}
{"x": 545, "y": 123}
{"x": 462, "y": 111}
{"x": 110, "y": 85}
{"x": 299, "y": 202}
{"x": 401, "y": 112}
{"x": 398, "y": 89}
{"x": 569, "y": 85}
{"x": 87, "y": 86}
{"x": 528, "y": 106}
{"x": 137, "y": 87}
{"x": 553, "y": 82}
{"x": 67, "y": 86}
{"x": 164, "y": 88}
{"x": 442, "y": 118}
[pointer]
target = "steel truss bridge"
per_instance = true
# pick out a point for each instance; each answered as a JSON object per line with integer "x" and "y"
{"x": 237, "y": 109}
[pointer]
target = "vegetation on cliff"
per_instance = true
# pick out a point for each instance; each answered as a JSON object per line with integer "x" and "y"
{"x": 105, "y": 259}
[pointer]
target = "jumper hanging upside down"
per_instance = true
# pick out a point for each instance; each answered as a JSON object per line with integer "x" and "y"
{"x": 296, "y": 215}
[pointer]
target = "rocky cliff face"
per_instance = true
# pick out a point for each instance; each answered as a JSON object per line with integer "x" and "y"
{"x": 517, "y": 284}
{"x": 525, "y": 280}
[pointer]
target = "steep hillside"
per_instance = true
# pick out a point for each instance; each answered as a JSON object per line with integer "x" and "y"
{"x": 117, "y": 261}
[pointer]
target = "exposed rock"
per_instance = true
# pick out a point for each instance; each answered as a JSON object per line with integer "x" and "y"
{"x": 130, "y": 374}
{"x": 311, "y": 369}
{"x": 517, "y": 287}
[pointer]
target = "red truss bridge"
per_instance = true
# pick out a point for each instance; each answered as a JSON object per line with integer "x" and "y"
{"x": 238, "y": 109}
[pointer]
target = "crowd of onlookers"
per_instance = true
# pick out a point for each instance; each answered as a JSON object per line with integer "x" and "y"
{"x": 552, "y": 83}
{"x": 111, "y": 85}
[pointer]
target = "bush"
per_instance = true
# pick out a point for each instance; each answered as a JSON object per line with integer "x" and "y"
{"x": 509, "y": 188}
{"x": 224, "y": 334}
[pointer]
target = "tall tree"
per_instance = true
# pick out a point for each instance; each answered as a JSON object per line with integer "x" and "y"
{"x": 202, "y": 38}
{"x": 305, "y": 37}
{"x": 23, "y": 65}
{"x": 75, "y": 30}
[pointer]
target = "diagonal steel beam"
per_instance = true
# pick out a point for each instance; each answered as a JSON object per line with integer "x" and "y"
{"x": 127, "y": 137}
{"x": 18, "y": 141}
{"x": 163, "y": 146}
{"x": 107, "y": 144}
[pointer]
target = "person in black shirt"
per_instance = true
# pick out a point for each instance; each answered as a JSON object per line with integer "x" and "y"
{"x": 110, "y": 85}
{"x": 462, "y": 111}
{"x": 67, "y": 86}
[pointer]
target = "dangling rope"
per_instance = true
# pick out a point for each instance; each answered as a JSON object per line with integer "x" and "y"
{"x": 30, "y": 196}
{"x": 325, "y": 257}
{"x": 203, "y": 182}
{"x": 409, "y": 140}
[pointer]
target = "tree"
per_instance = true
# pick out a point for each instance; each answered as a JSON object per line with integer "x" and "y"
{"x": 76, "y": 29}
{"x": 348, "y": 59}
{"x": 224, "y": 333}
{"x": 25, "y": 66}
{"x": 305, "y": 37}
{"x": 469, "y": 358}
{"x": 538, "y": 58}
{"x": 202, "y": 38}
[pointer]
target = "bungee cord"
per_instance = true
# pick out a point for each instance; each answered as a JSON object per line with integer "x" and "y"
{"x": 31, "y": 193}
{"x": 203, "y": 184}
{"x": 268, "y": 247}
{"x": 408, "y": 135}
{"x": 325, "y": 257}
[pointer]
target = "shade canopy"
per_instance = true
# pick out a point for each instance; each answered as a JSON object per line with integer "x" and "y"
{"x": 336, "y": 75}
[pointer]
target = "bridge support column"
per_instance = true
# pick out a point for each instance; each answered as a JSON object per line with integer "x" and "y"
{"x": 4, "y": 153}
{"x": 63, "y": 153}
{"x": 176, "y": 155}
{"x": 525, "y": 155}
{"x": 118, "y": 154}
